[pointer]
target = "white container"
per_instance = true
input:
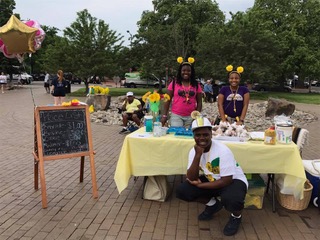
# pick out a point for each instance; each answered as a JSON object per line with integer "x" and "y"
{"x": 157, "y": 129}
{"x": 164, "y": 131}
{"x": 284, "y": 133}
{"x": 312, "y": 168}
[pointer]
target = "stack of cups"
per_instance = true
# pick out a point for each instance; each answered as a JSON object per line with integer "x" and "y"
{"x": 157, "y": 129}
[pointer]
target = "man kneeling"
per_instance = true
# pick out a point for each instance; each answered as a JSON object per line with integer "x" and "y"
{"x": 222, "y": 177}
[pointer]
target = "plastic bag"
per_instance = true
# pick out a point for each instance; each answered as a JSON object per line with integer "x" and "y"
{"x": 157, "y": 188}
{"x": 282, "y": 119}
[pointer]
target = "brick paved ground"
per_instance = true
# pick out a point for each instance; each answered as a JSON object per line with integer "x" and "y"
{"x": 73, "y": 214}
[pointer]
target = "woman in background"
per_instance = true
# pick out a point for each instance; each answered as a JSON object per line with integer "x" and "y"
{"x": 58, "y": 88}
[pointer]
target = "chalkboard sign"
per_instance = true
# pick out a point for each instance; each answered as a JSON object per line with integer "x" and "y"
{"x": 60, "y": 133}
{"x": 63, "y": 131}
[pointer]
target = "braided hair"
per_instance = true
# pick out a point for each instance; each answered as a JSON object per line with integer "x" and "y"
{"x": 193, "y": 81}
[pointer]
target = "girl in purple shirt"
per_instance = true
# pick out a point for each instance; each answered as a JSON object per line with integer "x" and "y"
{"x": 233, "y": 100}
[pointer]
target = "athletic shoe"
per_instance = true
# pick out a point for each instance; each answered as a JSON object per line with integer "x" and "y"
{"x": 232, "y": 226}
{"x": 124, "y": 130}
{"x": 209, "y": 211}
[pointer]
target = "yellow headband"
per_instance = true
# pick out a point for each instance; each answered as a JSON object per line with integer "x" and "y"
{"x": 190, "y": 60}
{"x": 239, "y": 70}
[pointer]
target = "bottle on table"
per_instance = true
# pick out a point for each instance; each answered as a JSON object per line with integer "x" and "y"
{"x": 270, "y": 136}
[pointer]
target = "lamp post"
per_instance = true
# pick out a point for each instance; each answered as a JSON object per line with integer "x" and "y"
{"x": 130, "y": 38}
{"x": 167, "y": 76}
{"x": 30, "y": 57}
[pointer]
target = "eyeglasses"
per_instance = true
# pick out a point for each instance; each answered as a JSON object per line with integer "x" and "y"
{"x": 182, "y": 93}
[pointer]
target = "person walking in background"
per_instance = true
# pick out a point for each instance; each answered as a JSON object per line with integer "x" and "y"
{"x": 222, "y": 176}
{"x": 208, "y": 91}
{"x": 233, "y": 100}
{"x": 46, "y": 82}
{"x": 215, "y": 90}
{"x": 3, "y": 81}
{"x": 116, "y": 80}
{"x": 58, "y": 88}
{"x": 19, "y": 82}
{"x": 185, "y": 95}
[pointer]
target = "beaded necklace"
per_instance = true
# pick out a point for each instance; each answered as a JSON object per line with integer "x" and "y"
{"x": 186, "y": 92}
{"x": 234, "y": 98}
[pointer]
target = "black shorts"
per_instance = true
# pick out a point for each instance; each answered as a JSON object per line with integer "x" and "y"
{"x": 59, "y": 94}
{"x": 232, "y": 196}
{"x": 46, "y": 84}
{"x": 139, "y": 114}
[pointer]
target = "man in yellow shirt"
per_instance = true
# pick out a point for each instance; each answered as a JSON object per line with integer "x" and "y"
{"x": 132, "y": 110}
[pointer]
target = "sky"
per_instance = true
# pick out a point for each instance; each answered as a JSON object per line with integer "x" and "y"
{"x": 120, "y": 15}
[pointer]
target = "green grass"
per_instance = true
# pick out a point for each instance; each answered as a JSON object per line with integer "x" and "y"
{"x": 114, "y": 92}
{"x": 308, "y": 98}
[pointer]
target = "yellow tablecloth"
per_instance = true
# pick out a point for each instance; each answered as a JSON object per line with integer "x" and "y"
{"x": 145, "y": 155}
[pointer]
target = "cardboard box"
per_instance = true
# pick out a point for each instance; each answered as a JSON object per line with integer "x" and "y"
{"x": 255, "y": 194}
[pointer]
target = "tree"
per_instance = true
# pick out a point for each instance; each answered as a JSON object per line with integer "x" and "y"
{"x": 272, "y": 40}
{"x": 171, "y": 30}
{"x": 92, "y": 46}
{"x": 42, "y": 57}
{"x": 6, "y": 10}
{"x": 54, "y": 56}
{"x": 292, "y": 23}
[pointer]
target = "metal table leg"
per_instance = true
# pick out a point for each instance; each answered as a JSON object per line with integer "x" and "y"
{"x": 273, "y": 185}
{"x": 273, "y": 193}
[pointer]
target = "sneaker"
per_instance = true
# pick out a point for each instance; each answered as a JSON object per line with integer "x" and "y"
{"x": 209, "y": 211}
{"x": 232, "y": 226}
{"x": 124, "y": 130}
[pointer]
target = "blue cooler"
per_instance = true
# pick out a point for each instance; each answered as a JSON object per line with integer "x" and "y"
{"x": 312, "y": 168}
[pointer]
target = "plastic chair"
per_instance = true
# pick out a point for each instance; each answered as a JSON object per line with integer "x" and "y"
{"x": 300, "y": 136}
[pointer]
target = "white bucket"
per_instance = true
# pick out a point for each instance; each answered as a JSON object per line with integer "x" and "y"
{"x": 284, "y": 133}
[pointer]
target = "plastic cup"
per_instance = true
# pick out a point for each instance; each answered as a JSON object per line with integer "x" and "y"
{"x": 200, "y": 121}
{"x": 148, "y": 122}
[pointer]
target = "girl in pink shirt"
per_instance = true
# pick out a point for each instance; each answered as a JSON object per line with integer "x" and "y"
{"x": 185, "y": 95}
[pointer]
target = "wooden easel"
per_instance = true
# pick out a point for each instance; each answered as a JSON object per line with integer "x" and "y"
{"x": 41, "y": 152}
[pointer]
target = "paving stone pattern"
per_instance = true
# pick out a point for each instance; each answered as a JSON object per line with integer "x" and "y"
{"x": 72, "y": 213}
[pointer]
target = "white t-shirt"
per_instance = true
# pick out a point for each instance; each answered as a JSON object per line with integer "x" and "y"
{"x": 3, "y": 79}
{"x": 46, "y": 78}
{"x": 218, "y": 162}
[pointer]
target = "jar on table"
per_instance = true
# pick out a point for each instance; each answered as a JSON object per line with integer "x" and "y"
{"x": 270, "y": 136}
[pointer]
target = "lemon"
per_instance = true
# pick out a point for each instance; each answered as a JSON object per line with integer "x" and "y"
{"x": 195, "y": 114}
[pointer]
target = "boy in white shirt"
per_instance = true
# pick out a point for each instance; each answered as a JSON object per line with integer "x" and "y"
{"x": 222, "y": 176}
